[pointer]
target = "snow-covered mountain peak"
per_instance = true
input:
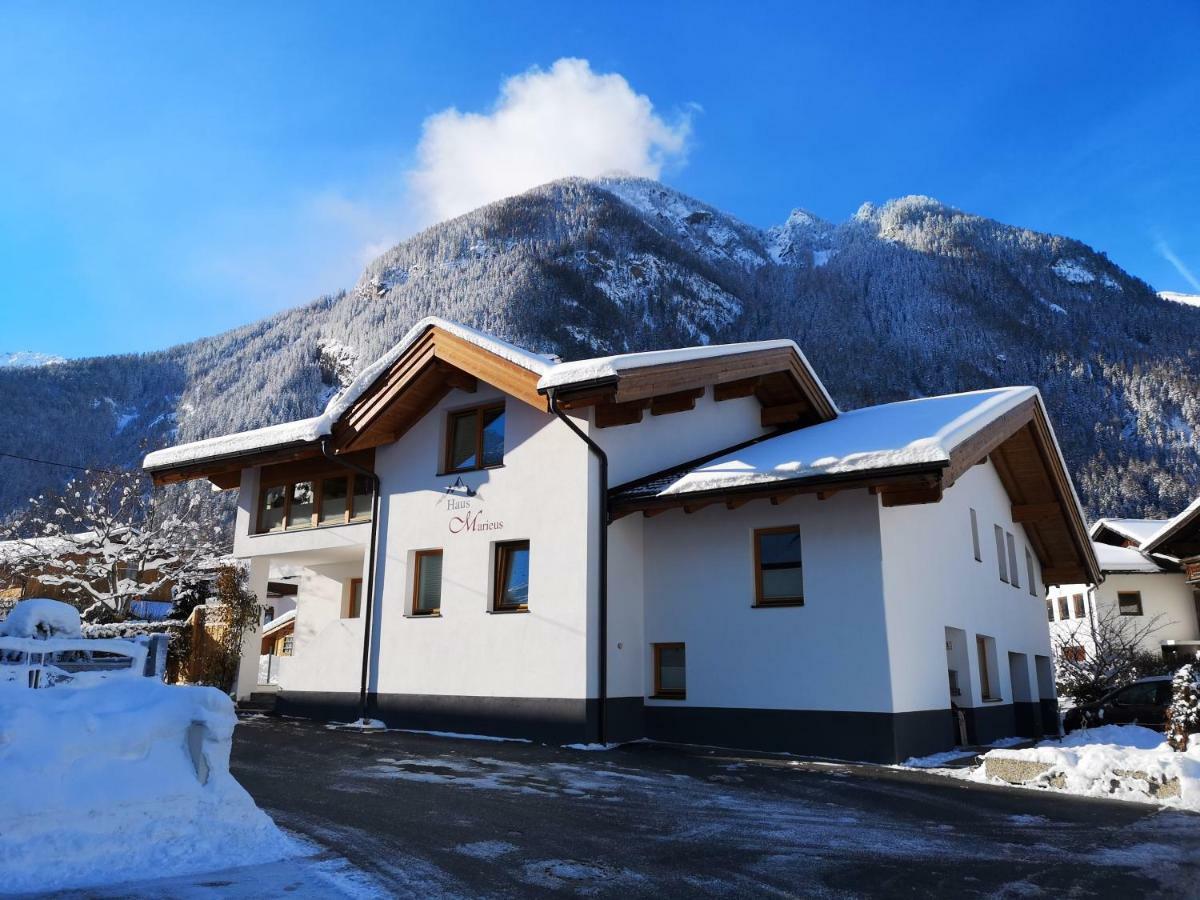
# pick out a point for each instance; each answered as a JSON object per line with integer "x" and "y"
{"x": 1177, "y": 297}
{"x": 28, "y": 359}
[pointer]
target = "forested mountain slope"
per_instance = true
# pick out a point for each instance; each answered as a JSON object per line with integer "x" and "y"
{"x": 905, "y": 299}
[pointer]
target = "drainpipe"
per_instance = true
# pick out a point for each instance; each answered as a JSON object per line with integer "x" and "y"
{"x": 369, "y": 605}
{"x": 602, "y": 587}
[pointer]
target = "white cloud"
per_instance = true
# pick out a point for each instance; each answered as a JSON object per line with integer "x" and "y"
{"x": 545, "y": 125}
{"x": 1165, "y": 251}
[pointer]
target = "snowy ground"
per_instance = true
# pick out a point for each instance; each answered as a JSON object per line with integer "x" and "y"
{"x": 407, "y": 815}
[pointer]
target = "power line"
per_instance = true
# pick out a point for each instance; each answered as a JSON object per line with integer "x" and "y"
{"x": 50, "y": 462}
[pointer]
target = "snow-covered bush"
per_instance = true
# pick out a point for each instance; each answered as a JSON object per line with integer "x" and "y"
{"x": 42, "y": 619}
{"x": 105, "y": 542}
{"x": 1183, "y": 718}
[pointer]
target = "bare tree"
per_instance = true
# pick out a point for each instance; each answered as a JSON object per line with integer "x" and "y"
{"x": 106, "y": 541}
{"x": 1101, "y": 653}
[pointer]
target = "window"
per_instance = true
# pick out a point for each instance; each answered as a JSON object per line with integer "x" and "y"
{"x": 1001, "y": 554}
{"x": 288, "y": 645}
{"x": 334, "y": 500}
{"x": 511, "y": 591}
{"x": 354, "y": 599}
{"x": 270, "y": 509}
{"x": 1029, "y": 573}
{"x": 1014, "y": 578}
{"x": 1063, "y": 612}
{"x": 779, "y": 571}
{"x": 316, "y": 501}
{"x": 986, "y": 649}
{"x": 670, "y": 671}
{"x": 1077, "y": 602}
{"x": 975, "y": 536}
{"x": 475, "y": 439}
{"x": 1049, "y": 609}
{"x": 427, "y": 583}
{"x": 1074, "y": 653}
{"x": 1129, "y": 603}
{"x": 301, "y": 505}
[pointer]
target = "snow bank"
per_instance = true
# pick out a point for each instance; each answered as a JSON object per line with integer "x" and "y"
{"x": 99, "y": 786}
{"x": 1121, "y": 762}
{"x": 41, "y": 618}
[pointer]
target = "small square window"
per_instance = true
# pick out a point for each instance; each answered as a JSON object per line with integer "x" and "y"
{"x": 670, "y": 671}
{"x": 475, "y": 439}
{"x": 779, "y": 567}
{"x": 427, "y": 583}
{"x": 511, "y": 591}
{"x": 1129, "y": 603}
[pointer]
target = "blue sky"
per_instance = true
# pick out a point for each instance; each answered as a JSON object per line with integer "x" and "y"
{"x": 168, "y": 171}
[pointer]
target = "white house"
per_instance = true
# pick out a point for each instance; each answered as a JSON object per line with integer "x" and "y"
{"x": 1145, "y": 591}
{"x": 688, "y": 545}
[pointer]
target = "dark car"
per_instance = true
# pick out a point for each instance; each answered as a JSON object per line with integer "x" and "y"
{"x": 1144, "y": 702}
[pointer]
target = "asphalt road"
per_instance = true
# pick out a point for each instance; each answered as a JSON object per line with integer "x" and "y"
{"x": 410, "y": 815}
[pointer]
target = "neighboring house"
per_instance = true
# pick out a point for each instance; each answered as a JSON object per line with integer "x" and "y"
{"x": 16, "y": 583}
{"x": 689, "y": 545}
{"x": 1143, "y": 586}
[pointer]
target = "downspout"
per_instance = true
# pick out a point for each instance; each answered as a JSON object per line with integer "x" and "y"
{"x": 369, "y": 606}
{"x": 602, "y": 586}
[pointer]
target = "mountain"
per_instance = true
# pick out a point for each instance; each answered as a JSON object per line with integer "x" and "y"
{"x": 24, "y": 359}
{"x": 908, "y": 298}
{"x": 1176, "y": 297}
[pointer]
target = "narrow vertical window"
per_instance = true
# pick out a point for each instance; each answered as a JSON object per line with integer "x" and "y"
{"x": 1064, "y": 612}
{"x": 975, "y": 536}
{"x": 300, "y": 510}
{"x": 1077, "y": 602}
{"x": 1049, "y": 609}
{"x": 1014, "y": 578}
{"x": 334, "y": 501}
{"x": 1001, "y": 554}
{"x": 363, "y": 496}
{"x": 1029, "y": 573}
{"x": 778, "y": 567}
{"x": 984, "y": 647}
{"x": 427, "y": 583}
{"x": 511, "y": 590}
{"x": 670, "y": 671}
{"x": 354, "y": 599}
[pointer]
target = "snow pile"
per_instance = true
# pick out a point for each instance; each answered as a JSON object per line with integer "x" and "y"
{"x": 1121, "y": 762}
{"x": 42, "y": 619}
{"x": 910, "y": 432}
{"x": 1072, "y": 270}
{"x": 126, "y": 779}
{"x": 1123, "y": 559}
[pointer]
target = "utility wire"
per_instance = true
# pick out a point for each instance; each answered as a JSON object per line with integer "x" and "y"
{"x": 50, "y": 462}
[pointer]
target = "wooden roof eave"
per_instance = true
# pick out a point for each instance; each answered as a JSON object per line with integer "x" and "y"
{"x": 902, "y": 480}
{"x": 225, "y": 470}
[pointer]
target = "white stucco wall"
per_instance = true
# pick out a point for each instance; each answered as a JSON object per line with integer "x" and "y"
{"x": 327, "y": 648}
{"x": 830, "y": 654}
{"x": 933, "y": 582}
{"x": 626, "y": 608}
{"x": 658, "y": 442}
{"x": 540, "y": 494}
{"x": 1165, "y": 595}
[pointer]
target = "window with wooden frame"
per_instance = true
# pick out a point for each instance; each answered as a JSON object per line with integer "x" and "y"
{"x": 1129, "y": 603}
{"x": 778, "y": 567}
{"x": 354, "y": 599}
{"x": 670, "y": 671}
{"x": 1074, "y": 653}
{"x": 474, "y": 438}
{"x": 1001, "y": 553}
{"x": 427, "y": 583}
{"x": 1064, "y": 612}
{"x": 1077, "y": 603}
{"x": 510, "y": 591}
{"x": 317, "y": 501}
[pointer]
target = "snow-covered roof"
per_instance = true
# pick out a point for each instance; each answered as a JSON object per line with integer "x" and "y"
{"x": 584, "y": 371}
{"x": 907, "y": 433}
{"x": 279, "y": 621}
{"x": 1123, "y": 559}
{"x": 1134, "y": 529}
{"x": 1172, "y": 526}
{"x": 306, "y": 431}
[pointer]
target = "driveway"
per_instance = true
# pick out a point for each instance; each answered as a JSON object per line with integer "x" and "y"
{"x": 410, "y": 815}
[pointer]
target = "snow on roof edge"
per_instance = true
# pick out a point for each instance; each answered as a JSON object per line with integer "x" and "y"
{"x": 1171, "y": 525}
